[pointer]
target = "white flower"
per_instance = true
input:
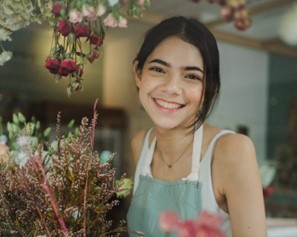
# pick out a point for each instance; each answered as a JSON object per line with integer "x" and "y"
{"x": 101, "y": 10}
{"x": 23, "y": 141}
{"x": 21, "y": 158}
{"x": 5, "y": 35}
{"x": 288, "y": 29}
{"x": 4, "y": 57}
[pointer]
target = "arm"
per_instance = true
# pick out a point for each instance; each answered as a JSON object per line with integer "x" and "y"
{"x": 240, "y": 184}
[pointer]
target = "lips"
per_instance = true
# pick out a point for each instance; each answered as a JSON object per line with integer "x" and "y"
{"x": 168, "y": 105}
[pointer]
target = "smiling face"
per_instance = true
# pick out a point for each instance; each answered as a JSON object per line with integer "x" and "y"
{"x": 171, "y": 83}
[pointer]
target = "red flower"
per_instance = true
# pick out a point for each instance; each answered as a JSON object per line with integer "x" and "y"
{"x": 95, "y": 54}
{"x": 96, "y": 40}
{"x": 52, "y": 64}
{"x": 268, "y": 191}
{"x": 79, "y": 71}
{"x": 64, "y": 27}
{"x": 57, "y": 9}
{"x": 67, "y": 66}
{"x": 81, "y": 30}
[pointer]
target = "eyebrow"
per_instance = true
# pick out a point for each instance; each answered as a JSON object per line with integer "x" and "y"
{"x": 188, "y": 68}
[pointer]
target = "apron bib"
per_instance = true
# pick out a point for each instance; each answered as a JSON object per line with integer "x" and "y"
{"x": 153, "y": 196}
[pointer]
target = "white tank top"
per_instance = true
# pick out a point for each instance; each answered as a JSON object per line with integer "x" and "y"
{"x": 209, "y": 202}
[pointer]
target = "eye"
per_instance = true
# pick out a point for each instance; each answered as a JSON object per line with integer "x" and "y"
{"x": 156, "y": 69}
{"x": 193, "y": 77}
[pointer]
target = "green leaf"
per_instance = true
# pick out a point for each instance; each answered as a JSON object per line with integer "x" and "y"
{"x": 21, "y": 118}
{"x": 47, "y": 132}
{"x": 71, "y": 123}
{"x": 15, "y": 119}
{"x": 37, "y": 124}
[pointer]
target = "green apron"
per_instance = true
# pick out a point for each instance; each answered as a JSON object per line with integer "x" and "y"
{"x": 153, "y": 196}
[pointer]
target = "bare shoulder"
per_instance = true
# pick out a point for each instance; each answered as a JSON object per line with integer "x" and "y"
{"x": 235, "y": 157}
{"x": 235, "y": 148}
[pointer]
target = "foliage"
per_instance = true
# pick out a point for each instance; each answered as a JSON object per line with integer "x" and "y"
{"x": 61, "y": 190}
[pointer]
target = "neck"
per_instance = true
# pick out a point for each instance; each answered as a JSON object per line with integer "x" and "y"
{"x": 172, "y": 148}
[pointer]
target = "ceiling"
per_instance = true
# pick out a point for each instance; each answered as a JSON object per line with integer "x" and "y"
{"x": 265, "y": 16}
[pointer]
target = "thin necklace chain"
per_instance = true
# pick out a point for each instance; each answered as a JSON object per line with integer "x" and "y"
{"x": 174, "y": 162}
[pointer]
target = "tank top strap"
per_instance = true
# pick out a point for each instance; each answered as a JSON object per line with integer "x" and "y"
{"x": 209, "y": 153}
{"x": 196, "y": 154}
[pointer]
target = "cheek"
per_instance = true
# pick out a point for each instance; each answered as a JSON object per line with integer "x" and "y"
{"x": 195, "y": 95}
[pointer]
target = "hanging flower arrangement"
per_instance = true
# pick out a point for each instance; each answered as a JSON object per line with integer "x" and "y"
{"x": 79, "y": 30}
{"x": 233, "y": 10}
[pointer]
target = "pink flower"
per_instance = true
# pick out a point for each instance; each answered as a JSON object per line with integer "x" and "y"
{"x": 101, "y": 10}
{"x": 89, "y": 12}
{"x": 122, "y": 23}
{"x": 94, "y": 55}
{"x": 82, "y": 30}
{"x": 141, "y": 3}
{"x": 75, "y": 16}
{"x": 110, "y": 21}
{"x": 209, "y": 224}
{"x": 64, "y": 27}
{"x": 96, "y": 40}
{"x": 57, "y": 9}
{"x": 206, "y": 224}
{"x": 52, "y": 64}
{"x": 187, "y": 228}
{"x": 67, "y": 66}
{"x": 168, "y": 221}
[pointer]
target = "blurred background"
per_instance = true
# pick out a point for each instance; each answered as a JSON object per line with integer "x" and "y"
{"x": 258, "y": 95}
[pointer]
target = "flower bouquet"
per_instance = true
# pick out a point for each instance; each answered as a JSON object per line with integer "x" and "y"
{"x": 205, "y": 225}
{"x": 62, "y": 188}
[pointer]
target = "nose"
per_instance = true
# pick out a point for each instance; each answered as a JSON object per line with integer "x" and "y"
{"x": 172, "y": 85}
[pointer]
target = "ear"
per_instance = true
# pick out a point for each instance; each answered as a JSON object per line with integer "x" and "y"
{"x": 137, "y": 74}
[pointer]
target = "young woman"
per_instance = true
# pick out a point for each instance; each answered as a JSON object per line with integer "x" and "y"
{"x": 183, "y": 163}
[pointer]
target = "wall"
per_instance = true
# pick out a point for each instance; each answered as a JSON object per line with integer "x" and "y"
{"x": 244, "y": 93}
{"x": 282, "y": 92}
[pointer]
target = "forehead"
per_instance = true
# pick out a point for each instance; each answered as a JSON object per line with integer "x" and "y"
{"x": 177, "y": 51}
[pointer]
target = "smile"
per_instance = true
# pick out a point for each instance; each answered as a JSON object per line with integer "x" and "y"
{"x": 168, "y": 105}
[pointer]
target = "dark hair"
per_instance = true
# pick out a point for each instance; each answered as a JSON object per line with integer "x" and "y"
{"x": 192, "y": 31}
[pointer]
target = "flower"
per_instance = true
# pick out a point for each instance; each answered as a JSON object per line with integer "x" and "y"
{"x": 5, "y": 56}
{"x": 81, "y": 30}
{"x": 169, "y": 221}
{"x": 206, "y": 224}
{"x": 52, "y": 64}
{"x": 4, "y": 153}
{"x": 64, "y": 27}
{"x": 288, "y": 29}
{"x": 110, "y": 21}
{"x": 82, "y": 19}
{"x": 58, "y": 189}
{"x": 72, "y": 20}
{"x": 75, "y": 16}
{"x": 67, "y": 66}
{"x": 56, "y": 10}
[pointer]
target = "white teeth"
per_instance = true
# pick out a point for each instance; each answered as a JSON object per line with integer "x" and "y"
{"x": 168, "y": 105}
